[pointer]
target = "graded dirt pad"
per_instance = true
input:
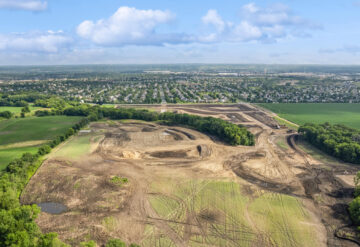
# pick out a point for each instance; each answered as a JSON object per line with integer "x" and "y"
{"x": 236, "y": 117}
{"x": 186, "y": 190}
{"x": 264, "y": 118}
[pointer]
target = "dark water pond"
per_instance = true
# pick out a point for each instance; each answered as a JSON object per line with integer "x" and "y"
{"x": 52, "y": 207}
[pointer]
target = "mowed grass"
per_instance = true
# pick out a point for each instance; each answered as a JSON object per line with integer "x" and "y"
{"x": 20, "y": 135}
{"x": 300, "y": 113}
{"x": 74, "y": 148}
{"x": 17, "y": 110}
{"x": 228, "y": 216}
{"x": 284, "y": 219}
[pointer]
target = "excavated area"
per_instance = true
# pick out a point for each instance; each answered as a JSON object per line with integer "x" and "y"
{"x": 147, "y": 152}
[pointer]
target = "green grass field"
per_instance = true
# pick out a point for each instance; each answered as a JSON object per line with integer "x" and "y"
{"x": 20, "y": 135}
{"x": 74, "y": 148}
{"x": 300, "y": 113}
{"x": 17, "y": 110}
{"x": 228, "y": 216}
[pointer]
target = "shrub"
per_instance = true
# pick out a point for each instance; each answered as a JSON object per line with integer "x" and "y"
{"x": 115, "y": 243}
{"x": 354, "y": 209}
{"x": 90, "y": 243}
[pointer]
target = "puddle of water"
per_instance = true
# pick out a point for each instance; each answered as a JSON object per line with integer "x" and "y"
{"x": 52, "y": 207}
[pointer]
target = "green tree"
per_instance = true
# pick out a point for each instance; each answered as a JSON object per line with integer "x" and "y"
{"x": 354, "y": 209}
{"x": 90, "y": 243}
{"x": 357, "y": 184}
{"x": 115, "y": 243}
{"x": 50, "y": 240}
{"x": 25, "y": 109}
{"x": 44, "y": 150}
{"x": 6, "y": 114}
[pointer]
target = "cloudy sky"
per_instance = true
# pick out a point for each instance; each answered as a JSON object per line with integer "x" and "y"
{"x": 167, "y": 31}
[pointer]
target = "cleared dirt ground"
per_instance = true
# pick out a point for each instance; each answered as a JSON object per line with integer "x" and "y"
{"x": 187, "y": 189}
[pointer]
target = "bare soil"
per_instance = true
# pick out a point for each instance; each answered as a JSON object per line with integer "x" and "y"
{"x": 148, "y": 152}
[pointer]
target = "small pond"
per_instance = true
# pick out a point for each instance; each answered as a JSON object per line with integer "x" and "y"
{"x": 52, "y": 207}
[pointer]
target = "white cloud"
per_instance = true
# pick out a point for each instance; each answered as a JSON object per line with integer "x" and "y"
{"x": 129, "y": 26}
{"x": 48, "y": 42}
{"x": 257, "y": 24}
{"x": 31, "y": 5}
{"x": 250, "y": 7}
{"x": 213, "y": 18}
{"x": 246, "y": 31}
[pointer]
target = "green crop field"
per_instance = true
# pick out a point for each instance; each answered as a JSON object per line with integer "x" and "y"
{"x": 20, "y": 135}
{"x": 300, "y": 113}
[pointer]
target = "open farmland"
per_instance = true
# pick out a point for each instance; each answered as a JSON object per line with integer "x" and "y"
{"x": 301, "y": 113}
{"x": 20, "y": 135}
{"x": 184, "y": 188}
{"x": 17, "y": 110}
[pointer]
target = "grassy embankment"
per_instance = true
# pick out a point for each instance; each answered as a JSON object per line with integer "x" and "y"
{"x": 21, "y": 135}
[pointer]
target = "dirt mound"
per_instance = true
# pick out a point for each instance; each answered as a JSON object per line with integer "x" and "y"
{"x": 311, "y": 187}
{"x": 148, "y": 129}
{"x": 188, "y": 135}
{"x": 130, "y": 155}
{"x": 170, "y": 154}
{"x": 204, "y": 150}
{"x": 176, "y": 136}
{"x": 246, "y": 167}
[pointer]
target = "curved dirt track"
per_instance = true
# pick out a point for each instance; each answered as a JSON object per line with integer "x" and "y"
{"x": 169, "y": 166}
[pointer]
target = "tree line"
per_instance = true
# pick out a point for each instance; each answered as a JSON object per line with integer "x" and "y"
{"x": 336, "y": 140}
{"x": 17, "y": 222}
{"x": 19, "y": 100}
{"x": 223, "y": 130}
{"x": 354, "y": 206}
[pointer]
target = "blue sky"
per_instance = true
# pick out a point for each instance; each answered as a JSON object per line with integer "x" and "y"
{"x": 197, "y": 31}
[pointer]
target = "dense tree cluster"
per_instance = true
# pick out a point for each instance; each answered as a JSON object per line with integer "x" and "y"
{"x": 118, "y": 243}
{"x": 336, "y": 140}
{"x": 354, "y": 206}
{"x": 223, "y": 130}
{"x": 17, "y": 225}
{"x": 6, "y": 114}
{"x": 51, "y": 102}
{"x": 19, "y": 100}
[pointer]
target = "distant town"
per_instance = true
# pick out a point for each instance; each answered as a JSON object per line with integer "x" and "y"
{"x": 194, "y": 85}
